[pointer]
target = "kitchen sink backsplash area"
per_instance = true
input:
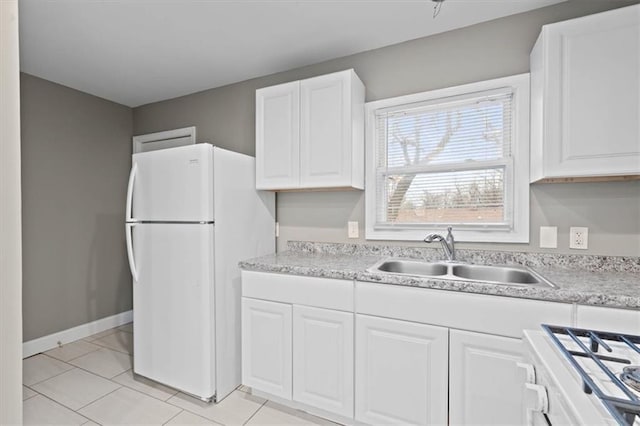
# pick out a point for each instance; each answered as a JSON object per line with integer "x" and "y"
{"x": 591, "y": 263}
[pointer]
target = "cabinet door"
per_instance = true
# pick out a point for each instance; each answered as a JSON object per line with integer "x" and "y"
{"x": 278, "y": 136}
{"x": 484, "y": 384}
{"x": 401, "y": 372}
{"x": 323, "y": 359}
{"x": 325, "y": 131}
{"x": 266, "y": 346}
{"x": 593, "y": 94}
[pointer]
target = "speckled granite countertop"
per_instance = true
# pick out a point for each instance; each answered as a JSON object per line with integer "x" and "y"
{"x": 589, "y": 280}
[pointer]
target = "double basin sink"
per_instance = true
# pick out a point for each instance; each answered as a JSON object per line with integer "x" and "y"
{"x": 505, "y": 275}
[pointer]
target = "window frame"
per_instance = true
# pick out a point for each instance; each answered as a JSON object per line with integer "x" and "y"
{"x": 517, "y": 187}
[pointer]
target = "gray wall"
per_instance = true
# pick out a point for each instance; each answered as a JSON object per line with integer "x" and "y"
{"x": 76, "y": 155}
{"x": 225, "y": 116}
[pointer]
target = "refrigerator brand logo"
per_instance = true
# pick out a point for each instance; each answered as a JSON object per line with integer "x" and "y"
{"x": 194, "y": 161}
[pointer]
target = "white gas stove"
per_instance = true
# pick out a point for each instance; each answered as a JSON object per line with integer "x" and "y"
{"x": 582, "y": 377}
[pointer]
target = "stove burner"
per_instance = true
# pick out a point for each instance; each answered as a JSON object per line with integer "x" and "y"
{"x": 631, "y": 376}
{"x": 624, "y": 409}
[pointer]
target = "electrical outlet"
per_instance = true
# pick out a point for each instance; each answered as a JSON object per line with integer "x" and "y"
{"x": 353, "y": 229}
{"x": 579, "y": 238}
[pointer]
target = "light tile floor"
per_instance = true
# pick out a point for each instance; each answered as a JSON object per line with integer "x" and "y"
{"x": 90, "y": 382}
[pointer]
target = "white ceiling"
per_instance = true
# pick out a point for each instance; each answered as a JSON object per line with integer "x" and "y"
{"x": 139, "y": 51}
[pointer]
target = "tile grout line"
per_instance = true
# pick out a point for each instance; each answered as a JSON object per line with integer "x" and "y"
{"x": 129, "y": 387}
{"x": 97, "y": 399}
{"x": 102, "y": 345}
{"x": 115, "y": 390}
{"x": 71, "y": 359}
{"x": 86, "y": 371}
{"x": 65, "y": 407}
{"x": 177, "y": 414}
{"x": 79, "y": 368}
{"x": 55, "y": 375}
{"x": 112, "y": 330}
{"x": 256, "y": 412}
{"x": 99, "y": 375}
{"x": 28, "y": 398}
{"x": 100, "y": 397}
{"x": 73, "y": 366}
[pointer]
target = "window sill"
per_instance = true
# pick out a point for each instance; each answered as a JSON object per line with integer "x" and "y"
{"x": 461, "y": 235}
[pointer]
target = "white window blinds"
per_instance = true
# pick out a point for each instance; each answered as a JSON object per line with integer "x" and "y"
{"x": 446, "y": 162}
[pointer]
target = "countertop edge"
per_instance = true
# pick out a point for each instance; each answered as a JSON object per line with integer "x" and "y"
{"x": 557, "y": 295}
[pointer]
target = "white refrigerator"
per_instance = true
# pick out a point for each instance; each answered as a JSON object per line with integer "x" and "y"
{"x": 191, "y": 214}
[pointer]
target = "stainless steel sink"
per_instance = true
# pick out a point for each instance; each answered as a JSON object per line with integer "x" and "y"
{"x": 501, "y": 274}
{"x": 505, "y": 275}
{"x": 414, "y": 268}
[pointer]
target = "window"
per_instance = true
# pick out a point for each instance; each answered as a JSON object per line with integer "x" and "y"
{"x": 451, "y": 157}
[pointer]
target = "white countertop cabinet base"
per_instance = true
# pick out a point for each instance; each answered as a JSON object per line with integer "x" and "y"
{"x": 298, "y": 343}
{"x": 484, "y": 384}
{"x": 585, "y": 97}
{"x": 369, "y": 353}
{"x": 266, "y": 346}
{"x": 401, "y": 372}
{"x": 323, "y": 359}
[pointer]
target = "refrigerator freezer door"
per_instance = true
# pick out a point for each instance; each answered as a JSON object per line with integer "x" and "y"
{"x": 173, "y": 299}
{"x": 173, "y": 185}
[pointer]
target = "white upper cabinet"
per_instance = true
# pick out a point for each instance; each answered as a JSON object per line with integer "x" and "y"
{"x": 585, "y": 97}
{"x": 278, "y": 136}
{"x": 310, "y": 133}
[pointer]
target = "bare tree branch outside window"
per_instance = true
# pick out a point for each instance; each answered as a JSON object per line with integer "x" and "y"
{"x": 465, "y": 135}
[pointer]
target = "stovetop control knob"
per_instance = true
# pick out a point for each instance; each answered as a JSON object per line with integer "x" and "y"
{"x": 535, "y": 398}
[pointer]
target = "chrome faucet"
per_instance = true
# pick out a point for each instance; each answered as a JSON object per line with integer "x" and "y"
{"x": 448, "y": 243}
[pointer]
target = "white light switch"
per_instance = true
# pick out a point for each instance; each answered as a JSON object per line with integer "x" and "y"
{"x": 353, "y": 229}
{"x": 548, "y": 237}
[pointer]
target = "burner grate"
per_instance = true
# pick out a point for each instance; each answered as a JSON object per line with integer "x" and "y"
{"x": 624, "y": 410}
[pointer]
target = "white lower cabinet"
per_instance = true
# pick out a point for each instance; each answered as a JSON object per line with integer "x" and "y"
{"x": 399, "y": 357}
{"x": 266, "y": 346}
{"x": 323, "y": 359}
{"x": 401, "y": 372}
{"x": 484, "y": 385}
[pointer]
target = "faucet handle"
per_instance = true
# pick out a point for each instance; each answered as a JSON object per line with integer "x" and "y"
{"x": 432, "y": 237}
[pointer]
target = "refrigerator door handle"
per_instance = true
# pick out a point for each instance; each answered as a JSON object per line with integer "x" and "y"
{"x": 132, "y": 178}
{"x": 132, "y": 260}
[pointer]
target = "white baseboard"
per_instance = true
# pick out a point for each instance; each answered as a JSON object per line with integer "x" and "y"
{"x": 45, "y": 343}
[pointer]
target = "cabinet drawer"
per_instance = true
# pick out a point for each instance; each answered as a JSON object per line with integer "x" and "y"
{"x": 504, "y": 316}
{"x": 609, "y": 319}
{"x": 309, "y": 291}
